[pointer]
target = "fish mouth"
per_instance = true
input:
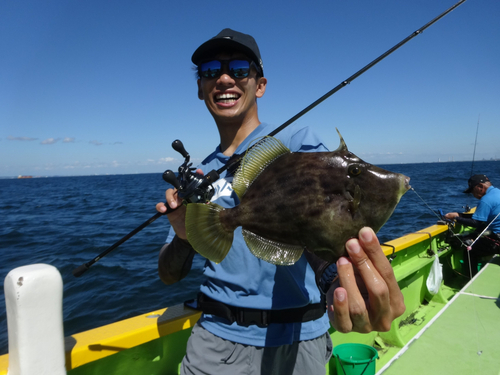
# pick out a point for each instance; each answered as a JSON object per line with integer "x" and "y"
{"x": 354, "y": 199}
{"x": 406, "y": 184}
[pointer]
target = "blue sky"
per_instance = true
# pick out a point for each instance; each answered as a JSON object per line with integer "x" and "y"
{"x": 97, "y": 87}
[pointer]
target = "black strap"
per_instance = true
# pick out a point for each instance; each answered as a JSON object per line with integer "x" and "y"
{"x": 262, "y": 318}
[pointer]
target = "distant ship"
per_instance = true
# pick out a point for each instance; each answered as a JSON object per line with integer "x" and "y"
{"x": 24, "y": 176}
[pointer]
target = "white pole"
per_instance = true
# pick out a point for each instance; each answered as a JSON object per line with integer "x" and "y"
{"x": 33, "y": 297}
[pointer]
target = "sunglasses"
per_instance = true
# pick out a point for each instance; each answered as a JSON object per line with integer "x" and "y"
{"x": 235, "y": 68}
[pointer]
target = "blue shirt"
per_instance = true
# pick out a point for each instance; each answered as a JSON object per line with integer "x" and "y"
{"x": 488, "y": 208}
{"x": 243, "y": 280}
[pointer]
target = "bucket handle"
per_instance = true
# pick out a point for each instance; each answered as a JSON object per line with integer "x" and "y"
{"x": 343, "y": 369}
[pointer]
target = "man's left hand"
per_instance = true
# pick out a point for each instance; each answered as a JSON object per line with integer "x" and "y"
{"x": 366, "y": 296}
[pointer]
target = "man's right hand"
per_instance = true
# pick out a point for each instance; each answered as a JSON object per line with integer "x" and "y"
{"x": 177, "y": 217}
{"x": 451, "y": 215}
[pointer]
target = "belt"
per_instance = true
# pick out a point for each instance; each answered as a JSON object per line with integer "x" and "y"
{"x": 262, "y": 318}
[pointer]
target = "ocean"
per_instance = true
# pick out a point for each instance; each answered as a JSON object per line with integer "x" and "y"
{"x": 68, "y": 221}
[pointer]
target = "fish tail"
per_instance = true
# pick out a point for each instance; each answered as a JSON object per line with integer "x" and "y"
{"x": 205, "y": 231}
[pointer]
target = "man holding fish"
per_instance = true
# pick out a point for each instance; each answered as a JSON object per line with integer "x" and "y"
{"x": 264, "y": 297}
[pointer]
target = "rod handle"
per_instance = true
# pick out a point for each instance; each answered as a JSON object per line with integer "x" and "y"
{"x": 79, "y": 271}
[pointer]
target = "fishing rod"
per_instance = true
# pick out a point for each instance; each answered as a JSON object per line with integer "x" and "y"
{"x": 467, "y": 207}
{"x": 193, "y": 188}
{"x": 475, "y": 143}
{"x": 469, "y": 248}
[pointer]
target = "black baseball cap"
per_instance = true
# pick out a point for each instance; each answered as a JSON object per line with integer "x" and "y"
{"x": 233, "y": 40}
{"x": 476, "y": 180}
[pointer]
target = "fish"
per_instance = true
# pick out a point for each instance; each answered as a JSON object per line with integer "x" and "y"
{"x": 291, "y": 202}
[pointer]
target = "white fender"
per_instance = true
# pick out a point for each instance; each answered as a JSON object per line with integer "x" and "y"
{"x": 33, "y": 297}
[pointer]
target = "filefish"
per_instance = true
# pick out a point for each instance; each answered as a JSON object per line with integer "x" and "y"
{"x": 296, "y": 201}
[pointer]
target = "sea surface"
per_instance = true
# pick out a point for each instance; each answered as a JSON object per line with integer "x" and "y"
{"x": 68, "y": 221}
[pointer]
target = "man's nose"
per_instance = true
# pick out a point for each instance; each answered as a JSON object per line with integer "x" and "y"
{"x": 225, "y": 77}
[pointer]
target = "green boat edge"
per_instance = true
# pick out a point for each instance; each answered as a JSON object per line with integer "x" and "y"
{"x": 154, "y": 343}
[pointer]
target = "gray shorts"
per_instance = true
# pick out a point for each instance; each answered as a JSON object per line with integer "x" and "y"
{"x": 210, "y": 354}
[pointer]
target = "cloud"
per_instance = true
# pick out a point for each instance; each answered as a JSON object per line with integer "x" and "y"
{"x": 117, "y": 143}
{"x": 68, "y": 140}
{"x": 10, "y": 138}
{"x": 49, "y": 141}
{"x": 166, "y": 160}
{"x": 97, "y": 143}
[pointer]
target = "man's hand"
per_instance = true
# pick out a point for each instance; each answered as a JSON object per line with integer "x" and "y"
{"x": 451, "y": 215}
{"x": 368, "y": 298}
{"x": 177, "y": 217}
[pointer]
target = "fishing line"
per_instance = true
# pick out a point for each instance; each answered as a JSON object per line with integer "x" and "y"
{"x": 439, "y": 217}
{"x": 425, "y": 203}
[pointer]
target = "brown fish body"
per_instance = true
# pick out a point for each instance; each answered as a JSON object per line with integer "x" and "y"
{"x": 308, "y": 199}
{"x": 314, "y": 201}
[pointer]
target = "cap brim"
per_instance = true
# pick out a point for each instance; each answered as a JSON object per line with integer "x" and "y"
{"x": 468, "y": 191}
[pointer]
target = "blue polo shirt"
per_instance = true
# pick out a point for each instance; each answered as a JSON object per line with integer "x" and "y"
{"x": 488, "y": 208}
{"x": 243, "y": 280}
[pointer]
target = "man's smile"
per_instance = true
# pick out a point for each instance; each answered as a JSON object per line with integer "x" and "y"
{"x": 227, "y": 98}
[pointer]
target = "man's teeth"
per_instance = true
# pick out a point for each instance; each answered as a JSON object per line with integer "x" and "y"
{"x": 228, "y": 97}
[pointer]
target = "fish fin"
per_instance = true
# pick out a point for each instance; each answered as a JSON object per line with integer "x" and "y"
{"x": 271, "y": 251}
{"x": 205, "y": 231}
{"x": 256, "y": 159}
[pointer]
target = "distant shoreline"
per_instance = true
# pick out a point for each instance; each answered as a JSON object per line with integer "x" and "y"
{"x": 23, "y": 177}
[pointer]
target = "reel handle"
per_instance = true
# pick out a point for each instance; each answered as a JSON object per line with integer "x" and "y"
{"x": 179, "y": 147}
{"x": 170, "y": 178}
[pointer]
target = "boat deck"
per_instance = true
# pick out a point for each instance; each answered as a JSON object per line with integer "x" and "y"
{"x": 464, "y": 338}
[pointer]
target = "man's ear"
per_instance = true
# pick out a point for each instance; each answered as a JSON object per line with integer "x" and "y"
{"x": 261, "y": 87}
{"x": 200, "y": 91}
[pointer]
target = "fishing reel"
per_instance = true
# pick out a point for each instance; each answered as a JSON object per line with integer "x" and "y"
{"x": 191, "y": 187}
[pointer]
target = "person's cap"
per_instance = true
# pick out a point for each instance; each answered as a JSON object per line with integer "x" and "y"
{"x": 474, "y": 181}
{"x": 229, "y": 39}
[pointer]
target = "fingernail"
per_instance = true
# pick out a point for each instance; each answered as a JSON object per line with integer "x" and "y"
{"x": 342, "y": 261}
{"x": 366, "y": 234}
{"x": 339, "y": 295}
{"x": 353, "y": 246}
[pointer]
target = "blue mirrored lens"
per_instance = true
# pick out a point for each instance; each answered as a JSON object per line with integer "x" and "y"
{"x": 239, "y": 68}
{"x": 210, "y": 69}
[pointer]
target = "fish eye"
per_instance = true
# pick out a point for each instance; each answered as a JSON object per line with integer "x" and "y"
{"x": 354, "y": 170}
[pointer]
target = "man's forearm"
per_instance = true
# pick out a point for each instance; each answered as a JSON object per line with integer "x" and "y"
{"x": 469, "y": 222}
{"x": 175, "y": 260}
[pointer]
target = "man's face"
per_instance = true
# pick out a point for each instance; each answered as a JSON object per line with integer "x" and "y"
{"x": 479, "y": 191}
{"x": 228, "y": 98}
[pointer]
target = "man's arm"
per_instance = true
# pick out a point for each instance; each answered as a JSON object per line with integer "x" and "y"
{"x": 470, "y": 222}
{"x": 466, "y": 221}
{"x": 175, "y": 260}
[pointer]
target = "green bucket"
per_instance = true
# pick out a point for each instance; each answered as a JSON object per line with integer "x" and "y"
{"x": 355, "y": 359}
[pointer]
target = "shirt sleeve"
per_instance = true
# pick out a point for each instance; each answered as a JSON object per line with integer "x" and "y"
{"x": 305, "y": 140}
{"x": 482, "y": 212}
